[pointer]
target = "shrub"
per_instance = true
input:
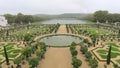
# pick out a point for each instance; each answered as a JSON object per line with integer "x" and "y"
{"x": 93, "y": 63}
{"x": 86, "y": 41}
{"x": 76, "y": 62}
{"x": 74, "y": 52}
{"x": 83, "y": 49}
{"x": 88, "y": 56}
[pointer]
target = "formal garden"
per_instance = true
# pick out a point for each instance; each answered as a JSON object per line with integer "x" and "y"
{"x": 60, "y": 41}
{"x": 105, "y": 41}
{"x": 20, "y": 46}
{"x": 17, "y": 44}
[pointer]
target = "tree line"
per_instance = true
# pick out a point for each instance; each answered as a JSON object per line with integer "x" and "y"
{"x": 23, "y": 19}
{"x": 103, "y": 16}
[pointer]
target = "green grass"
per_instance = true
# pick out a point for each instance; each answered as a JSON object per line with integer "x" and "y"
{"x": 12, "y": 53}
{"x": 95, "y": 31}
{"x": 102, "y": 51}
{"x": 114, "y": 52}
{"x": 118, "y": 61}
{"x": 113, "y": 55}
{"x": 113, "y": 44}
{"x": 103, "y": 56}
{"x": 115, "y": 49}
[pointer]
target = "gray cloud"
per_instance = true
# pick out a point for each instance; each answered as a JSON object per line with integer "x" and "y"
{"x": 58, "y": 6}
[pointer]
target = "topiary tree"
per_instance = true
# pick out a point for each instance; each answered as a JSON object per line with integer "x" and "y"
{"x": 72, "y": 47}
{"x": 83, "y": 49}
{"x": 93, "y": 63}
{"x": 76, "y": 62}
{"x": 88, "y": 55}
{"x": 74, "y": 52}
{"x": 27, "y": 51}
{"x": 86, "y": 41}
{"x": 18, "y": 61}
{"x": 33, "y": 62}
{"x": 73, "y": 44}
{"x": 109, "y": 55}
{"x": 6, "y": 56}
{"x": 40, "y": 53}
{"x": 43, "y": 46}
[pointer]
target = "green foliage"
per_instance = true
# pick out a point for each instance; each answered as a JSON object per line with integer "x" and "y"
{"x": 27, "y": 37}
{"x": 73, "y": 44}
{"x": 83, "y": 49}
{"x": 10, "y": 18}
{"x": 88, "y": 55}
{"x": 72, "y": 47}
{"x": 33, "y": 62}
{"x": 86, "y": 41}
{"x": 93, "y": 63}
{"x": 17, "y": 61}
{"x": 40, "y": 53}
{"x": 109, "y": 56}
{"x": 23, "y": 19}
{"x": 74, "y": 52}
{"x": 42, "y": 46}
{"x": 103, "y": 16}
{"x": 100, "y": 16}
{"x": 115, "y": 66}
{"x": 76, "y": 62}
{"x": 6, "y": 56}
{"x": 27, "y": 51}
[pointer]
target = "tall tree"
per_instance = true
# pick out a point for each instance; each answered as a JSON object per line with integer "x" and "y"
{"x": 100, "y": 16}
{"x": 10, "y": 18}
{"x": 6, "y": 56}
{"x": 109, "y": 55}
{"x": 19, "y": 18}
{"x": 28, "y": 18}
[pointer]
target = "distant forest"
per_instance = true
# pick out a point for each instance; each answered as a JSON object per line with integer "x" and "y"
{"x": 23, "y": 19}
{"x": 101, "y": 16}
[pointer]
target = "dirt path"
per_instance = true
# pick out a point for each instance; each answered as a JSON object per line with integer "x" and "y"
{"x": 56, "y": 58}
{"x": 62, "y": 29}
{"x": 82, "y": 58}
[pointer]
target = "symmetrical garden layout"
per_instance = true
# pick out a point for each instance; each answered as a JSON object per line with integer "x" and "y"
{"x": 23, "y": 46}
{"x": 12, "y": 50}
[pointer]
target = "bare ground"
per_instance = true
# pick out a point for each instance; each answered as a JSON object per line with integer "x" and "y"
{"x": 56, "y": 58}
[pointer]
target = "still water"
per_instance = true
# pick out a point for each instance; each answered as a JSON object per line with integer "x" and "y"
{"x": 60, "y": 40}
{"x": 62, "y": 21}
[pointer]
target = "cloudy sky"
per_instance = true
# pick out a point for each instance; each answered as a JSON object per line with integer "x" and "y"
{"x": 58, "y": 6}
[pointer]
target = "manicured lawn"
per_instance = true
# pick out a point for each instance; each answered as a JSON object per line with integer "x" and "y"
{"x": 96, "y": 31}
{"x": 102, "y": 51}
{"x": 103, "y": 56}
{"x": 115, "y": 49}
{"x": 114, "y": 52}
{"x": 113, "y": 55}
{"x": 113, "y": 44}
{"x": 12, "y": 52}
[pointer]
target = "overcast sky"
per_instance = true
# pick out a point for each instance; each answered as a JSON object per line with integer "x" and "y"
{"x": 58, "y": 6}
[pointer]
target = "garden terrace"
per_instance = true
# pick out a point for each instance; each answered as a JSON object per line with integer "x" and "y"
{"x": 102, "y": 51}
{"x": 18, "y": 33}
{"x": 94, "y": 47}
{"x": 90, "y": 30}
{"x": 12, "y": 50}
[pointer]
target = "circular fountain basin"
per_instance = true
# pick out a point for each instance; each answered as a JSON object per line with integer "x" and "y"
{"x": 60, "y": 40}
